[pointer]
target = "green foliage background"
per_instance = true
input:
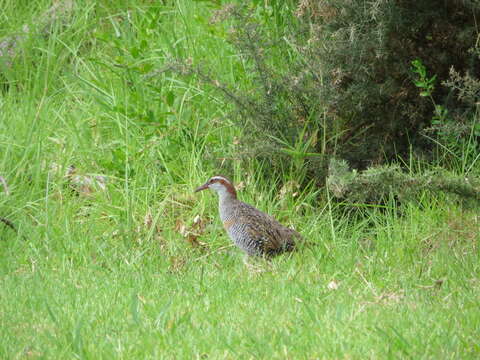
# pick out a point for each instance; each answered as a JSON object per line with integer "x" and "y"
{"x": 115, "y": 257}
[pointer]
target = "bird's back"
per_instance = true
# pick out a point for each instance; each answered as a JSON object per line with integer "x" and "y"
{"x": 254, "y": 231}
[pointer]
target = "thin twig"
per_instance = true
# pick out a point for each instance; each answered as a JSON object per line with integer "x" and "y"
{"x": 213, "y": 252}
{"x": 8, "y": 223}
{"x": 5, "y": 186}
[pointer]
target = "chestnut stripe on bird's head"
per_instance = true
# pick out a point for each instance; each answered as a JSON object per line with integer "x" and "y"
{"x": 220, "y": 184}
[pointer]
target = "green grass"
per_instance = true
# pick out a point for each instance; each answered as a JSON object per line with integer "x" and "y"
{"x": 111, "y": 274}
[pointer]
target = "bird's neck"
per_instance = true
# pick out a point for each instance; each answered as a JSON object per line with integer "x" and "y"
{"x": 226, "y": 195}
{"x": 226, "y": 204}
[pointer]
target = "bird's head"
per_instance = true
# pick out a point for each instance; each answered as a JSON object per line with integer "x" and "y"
{"x": 220, "y": 184}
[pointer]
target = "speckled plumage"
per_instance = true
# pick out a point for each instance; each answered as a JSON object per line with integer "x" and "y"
{"x": 253, "y": 231}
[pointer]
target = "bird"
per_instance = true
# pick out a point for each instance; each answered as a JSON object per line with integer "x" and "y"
{"x": 256, "y": 233}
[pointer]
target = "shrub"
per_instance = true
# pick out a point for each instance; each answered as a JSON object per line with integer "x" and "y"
{"x": 336, "y": 81}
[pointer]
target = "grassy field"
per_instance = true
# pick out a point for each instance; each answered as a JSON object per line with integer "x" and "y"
{"x": 119, "y": 259}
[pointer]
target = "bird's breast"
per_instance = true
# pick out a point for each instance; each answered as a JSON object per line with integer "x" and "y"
{"x": 227, "y": 224}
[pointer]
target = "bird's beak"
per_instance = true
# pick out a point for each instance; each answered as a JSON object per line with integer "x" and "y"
{"x": 203, "y": 187}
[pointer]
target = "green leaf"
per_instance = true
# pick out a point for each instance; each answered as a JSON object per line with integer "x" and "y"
{"x": 135, "y": 52}
{"x": 170, "y": 98}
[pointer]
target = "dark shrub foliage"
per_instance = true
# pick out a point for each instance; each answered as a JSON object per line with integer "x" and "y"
{"x": 366, "y": 60}
{"x": 338, "y": 82}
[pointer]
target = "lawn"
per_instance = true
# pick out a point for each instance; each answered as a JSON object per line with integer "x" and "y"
{"x": 115, "y": 257}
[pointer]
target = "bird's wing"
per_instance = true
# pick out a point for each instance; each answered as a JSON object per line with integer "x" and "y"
{"x": 272, "y": 235}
